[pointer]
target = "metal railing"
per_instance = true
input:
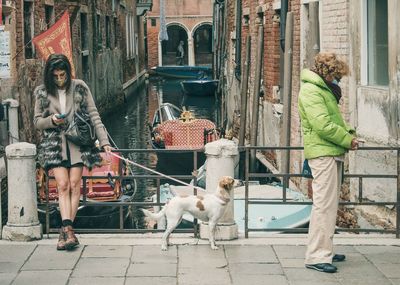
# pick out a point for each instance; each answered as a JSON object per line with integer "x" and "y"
{"x": 248, "y": 175}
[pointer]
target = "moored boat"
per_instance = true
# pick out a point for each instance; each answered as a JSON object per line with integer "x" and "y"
{"x": 168, "y": 131}
{"x": 184, "y": 71}
{"x": 261, "y": 216}
{"x": 97, "y": 189}
{"x": 200, "y": 87}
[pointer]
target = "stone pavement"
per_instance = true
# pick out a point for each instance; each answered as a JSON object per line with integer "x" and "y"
{"x": 137, "y": 259}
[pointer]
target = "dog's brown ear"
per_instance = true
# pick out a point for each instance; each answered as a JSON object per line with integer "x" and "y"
{"x": 226, "y": 182}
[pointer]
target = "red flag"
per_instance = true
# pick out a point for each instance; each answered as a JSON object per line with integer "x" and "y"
{"x": 57, "y": 39}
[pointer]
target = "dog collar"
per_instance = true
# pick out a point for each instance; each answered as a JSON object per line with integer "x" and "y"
{"x": 223, "y": 200}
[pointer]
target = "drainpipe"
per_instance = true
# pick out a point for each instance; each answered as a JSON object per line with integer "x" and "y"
{"x": 284, "y": 10}
{"x": 238, "y": 51}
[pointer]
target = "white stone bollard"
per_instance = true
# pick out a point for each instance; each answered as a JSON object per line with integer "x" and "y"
{"x": 23, "y": 223}
{"x": 220, "y": 162}
{"x": 12, "y": 120}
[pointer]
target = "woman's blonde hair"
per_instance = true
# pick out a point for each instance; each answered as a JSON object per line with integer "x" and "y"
{"x": 328, "y": 64}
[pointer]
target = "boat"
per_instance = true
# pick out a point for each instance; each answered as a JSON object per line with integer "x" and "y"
{"x": 184, "y": 71}
{"x": 97, "y": 189}
{"x": 174, "y": 129}
{"x": 261, "y": 216}
{"x": 199, "y": 87}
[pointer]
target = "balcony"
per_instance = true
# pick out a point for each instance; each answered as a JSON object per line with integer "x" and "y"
{"x": 143, "y": 6}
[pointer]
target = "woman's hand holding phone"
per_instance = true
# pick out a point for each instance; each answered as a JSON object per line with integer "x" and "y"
{"x": 58, "y": 119}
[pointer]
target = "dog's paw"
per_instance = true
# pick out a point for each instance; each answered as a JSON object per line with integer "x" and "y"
{"x": 214, "y": 247}
{"x": 164, "y": 247}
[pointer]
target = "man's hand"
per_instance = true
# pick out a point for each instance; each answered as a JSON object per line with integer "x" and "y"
{"x": 107, "y": 148}
{"x": 354, "y": 143}
{"x": 56, "y": 120}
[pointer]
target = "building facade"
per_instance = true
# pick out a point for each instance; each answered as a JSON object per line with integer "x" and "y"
{"x": 365, "y": 34}
{"x": 185, "y": 20}
{"x": 107, "y": 41}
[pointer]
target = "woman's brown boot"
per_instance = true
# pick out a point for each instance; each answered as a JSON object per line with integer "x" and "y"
{"x": 61, "y": 240}
{"x": 70, "y": 240}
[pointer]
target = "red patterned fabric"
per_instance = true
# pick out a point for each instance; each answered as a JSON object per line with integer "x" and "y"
{"x": 186, "y": 135}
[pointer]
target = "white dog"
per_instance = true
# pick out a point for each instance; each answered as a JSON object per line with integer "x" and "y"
{"x": 209, "y": 207}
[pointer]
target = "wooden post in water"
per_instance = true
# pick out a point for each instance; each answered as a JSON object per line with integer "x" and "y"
{"x": 257, "y": 83}
{"x": 243, "y": 93}
{"x": 287, "y": 98}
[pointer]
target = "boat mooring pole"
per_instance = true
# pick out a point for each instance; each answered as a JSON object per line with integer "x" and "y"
{"x": 287, "y": 99}
{"x": 257, "y": 84}
{"x": 243, "y": 102}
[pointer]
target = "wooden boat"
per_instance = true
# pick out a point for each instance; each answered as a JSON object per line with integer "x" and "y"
{"x": 174, "y": 129}
{"x": 261, "y": 216}
{"x": 184, "y": 71}
{"x": 97, "y": 189}
{"x": 200, "y": 87}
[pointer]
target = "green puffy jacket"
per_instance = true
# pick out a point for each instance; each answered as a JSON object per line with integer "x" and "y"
{"x": 324, "y": 130}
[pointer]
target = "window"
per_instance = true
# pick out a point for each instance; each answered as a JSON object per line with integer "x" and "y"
{"x": 49, "y": 14}
{"x": 108, "y": 32}
{"x": 377, "y": 42}
{"x": 153, "y": 22}
{"x": 99, "y": 34}
{"x": 28, "y": 29}
{"x": 130, "y": 37}
{"x": 84, "y": 32}
{"x": 115, "y": 32}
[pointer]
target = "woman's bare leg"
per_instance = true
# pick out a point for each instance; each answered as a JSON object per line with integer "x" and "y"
{"x": 75, "y": 176}
{"x": 63, "y": 186}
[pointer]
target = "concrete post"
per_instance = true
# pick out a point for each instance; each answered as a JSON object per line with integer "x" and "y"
{"x": 160, "y": 53}
{"x": 23, "y": 223}
{"x": 220, "y": 162}
{"x": 12, "y": 120}
{"x": 191, "y": 52}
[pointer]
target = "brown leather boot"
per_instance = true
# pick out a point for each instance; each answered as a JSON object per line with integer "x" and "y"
{"x": 61, "y": 240}
{"x": 70, "y": 240}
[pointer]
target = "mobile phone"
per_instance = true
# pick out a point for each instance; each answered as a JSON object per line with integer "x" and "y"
{"x": 60, "y": 116}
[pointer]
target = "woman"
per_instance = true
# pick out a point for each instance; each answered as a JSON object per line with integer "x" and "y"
{"x": 56, "y": 102}
{"x": 326, "y": 139}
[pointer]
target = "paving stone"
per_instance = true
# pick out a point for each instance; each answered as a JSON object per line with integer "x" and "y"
{"x": 260, "y": 280}
{"x": 395, "y": 281}
{"x": 15, "y": 253}
{"x": 150, "y": 281}
{"x": 95, "y": 267}
{"x": 250, "y": 253}
{"x": 201, "y": 256}
{"x": 107, "y": 251}
{"x": 358, "y": 270}
{"x": 6, "y": 278}
{"x": 53, "y": 277}
{"x": 8, "y": 267}
{"x": 345, "y": 249}
{"x": 148, "y": 269}
{"x": 304, "y": 274}
{"x": 364, "y": 281}
{"x": 389, "y": 270}
{"x": 97, "y": 281}
{"x": 292, "y": 262}
{"x": 284, "y": 251}
{"x": 377, "y": 249}
{"x": 255, "y": 269}
{"x": 154, "y": 254}
{"x": 195, "y": 275}
{"x": 315, "y": 282}
{"x": 47, "y": 257}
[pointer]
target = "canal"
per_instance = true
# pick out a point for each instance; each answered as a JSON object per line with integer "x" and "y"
{"x": 128, "y": 126}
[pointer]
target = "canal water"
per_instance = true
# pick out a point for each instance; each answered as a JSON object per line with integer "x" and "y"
{"x": 128, "y": 126}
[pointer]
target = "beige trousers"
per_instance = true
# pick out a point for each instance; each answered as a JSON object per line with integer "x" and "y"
{"x": 326, "y": 186}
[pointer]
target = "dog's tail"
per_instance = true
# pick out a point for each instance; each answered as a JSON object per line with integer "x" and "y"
{"x": 154, "y": 216}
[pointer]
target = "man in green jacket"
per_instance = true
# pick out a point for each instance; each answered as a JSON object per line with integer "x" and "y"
{"x": 326, "y": 139}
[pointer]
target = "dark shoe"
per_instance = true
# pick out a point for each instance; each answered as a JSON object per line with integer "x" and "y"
{"x": 70, "y": 239}
{"x": 61, "y": 240}
{"x": 338, "y": 257}
{"x": 323, "y": 267}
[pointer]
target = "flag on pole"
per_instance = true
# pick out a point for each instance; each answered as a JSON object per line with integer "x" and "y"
{"x": 57, "y": 39}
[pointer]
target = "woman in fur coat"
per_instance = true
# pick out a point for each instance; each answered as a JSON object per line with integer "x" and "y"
{"x": 57, "y": 100}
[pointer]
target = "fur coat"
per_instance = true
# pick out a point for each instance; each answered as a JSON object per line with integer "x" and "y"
{"x": 53, "y": 147}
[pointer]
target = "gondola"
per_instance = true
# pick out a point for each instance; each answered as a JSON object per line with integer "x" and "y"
{"x": 199, "y": 87}
{"x": 184, "y": 71}
{"x": 174, "y": 129}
